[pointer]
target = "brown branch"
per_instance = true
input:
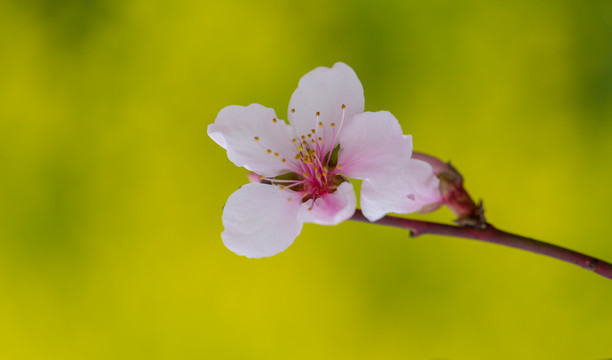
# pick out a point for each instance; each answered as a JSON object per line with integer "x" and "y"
{"x": 493, "y": 235}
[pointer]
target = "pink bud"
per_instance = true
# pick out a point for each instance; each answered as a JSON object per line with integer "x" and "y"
{"x": 453, "y": 193}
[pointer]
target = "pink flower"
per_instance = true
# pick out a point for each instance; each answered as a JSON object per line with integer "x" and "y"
{"x": 304, "y": 166}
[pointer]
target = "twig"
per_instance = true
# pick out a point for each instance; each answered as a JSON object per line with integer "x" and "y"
{"x": 493, "y": 235}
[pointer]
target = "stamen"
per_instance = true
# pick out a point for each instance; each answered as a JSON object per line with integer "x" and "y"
{"x": 284, "y": 160}
{"x": 297, "y": 183}
{"x": 269, "y": 151}
{"x": 314, "y": 131}
{"x": 294, "y": 124}
{"x": 320, "y": 123}
{"x": 342, "y": 120}
{"x": 324, "y": 149}
{"x": 274, "y": 120}
{"x": 282, "y": 187}
{"x": 256, "y": 138}
{"x": 275, "y": 154}
{"x": 333, "y": 142}
{"x": 314, "y": 198}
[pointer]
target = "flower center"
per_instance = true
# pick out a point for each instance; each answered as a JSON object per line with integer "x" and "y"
{"x": 315, "y": 171}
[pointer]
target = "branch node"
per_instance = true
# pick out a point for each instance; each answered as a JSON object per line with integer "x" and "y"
{"x": 592, "y": 264}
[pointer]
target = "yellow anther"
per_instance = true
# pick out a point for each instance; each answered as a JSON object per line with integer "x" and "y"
{"x": 312, "y": 141}
{"x": 339, "y": 167}
{"x": 274, "y": 120}
{"x": 293, "y": 141}
{"x": 318, "y": 176}
{"x": 284, "y": 160}
{"x": 332, "y": 124}
{"x": 324, "y": 174}
{"x": 320, "y": 138}
{"x": 261, "y": 177}
{"x": 304, "y": 174}
{"x": 320, "y": 123}
{"x": 256, "y": 138}
{"x": 282, "y": 187}
{"x": 289, "y": 199}
{"x": 300, "y": 148}
{"x": 309, "y": 135}
{"x": 293, "y": 111}
{"x": 318, "y": 113}
{"x": 269, "y": 151}
{"x": 312, "y": 131}
{"x": 343, "y": 106}
{"x": 304, "y": 142}
{"x": 275, "y": 154}
{"x": 303, "y": 137}
{"x": 297, "y": 157}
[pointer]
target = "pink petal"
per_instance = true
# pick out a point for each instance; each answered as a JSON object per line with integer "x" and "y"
{"x": 331, "y": 209}
{"x": 372, "y": 147}
{"x": 247, "y": 133}
{"x": 416, "y": 188}
{"x": 325, "y": 90}
{"x": 260, "y": 220}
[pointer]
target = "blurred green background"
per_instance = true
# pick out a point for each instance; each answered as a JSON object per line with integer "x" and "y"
{"x": 111, "y": 192}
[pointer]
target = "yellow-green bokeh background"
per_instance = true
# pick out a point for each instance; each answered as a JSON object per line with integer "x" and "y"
{"x": 111, "y": 192}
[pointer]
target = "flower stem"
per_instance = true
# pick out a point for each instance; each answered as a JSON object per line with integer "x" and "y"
{"x": 492, "y": 235}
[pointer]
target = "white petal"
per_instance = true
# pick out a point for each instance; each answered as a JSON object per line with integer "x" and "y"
{"x": 247, "y": 133}
{"x": 260, "y": 220}
{"x": 416, "y": 188}
{"x": 373, "y": 147}
{"x": 331, "y": 209}
{"x": 325, "y": 90}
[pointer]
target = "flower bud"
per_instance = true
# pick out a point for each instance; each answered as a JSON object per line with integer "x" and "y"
{"x": 453, "y": 193}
